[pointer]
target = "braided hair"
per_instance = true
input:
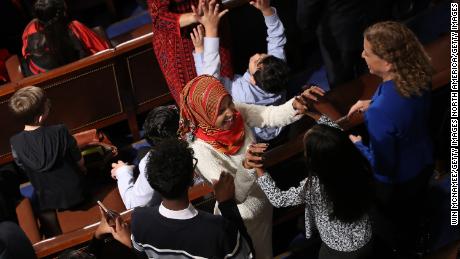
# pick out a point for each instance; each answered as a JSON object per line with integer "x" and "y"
{"x": 55, "y": 37}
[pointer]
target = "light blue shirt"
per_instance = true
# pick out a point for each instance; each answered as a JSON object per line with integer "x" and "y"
{"x": 240, "y": 87}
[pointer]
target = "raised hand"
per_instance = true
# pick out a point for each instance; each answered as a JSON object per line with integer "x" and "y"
{"x": 197, "y": 38}
{"x": 263, "y": 6}
{"x": 211, "y": 17}
{"x": 198, "y": 11}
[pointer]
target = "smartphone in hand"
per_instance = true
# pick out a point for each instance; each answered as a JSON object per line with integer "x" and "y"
{"x": 110, "y": 215}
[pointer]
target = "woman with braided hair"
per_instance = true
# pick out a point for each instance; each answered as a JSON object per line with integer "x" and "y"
{"x": 53, "y": 40}
{"x": 220, "y": 134}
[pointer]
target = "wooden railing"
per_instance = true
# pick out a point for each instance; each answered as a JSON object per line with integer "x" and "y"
{"x": 94, "y": 92}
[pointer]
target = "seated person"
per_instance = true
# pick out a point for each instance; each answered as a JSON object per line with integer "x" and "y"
{"x": 337, "y": 192}
{"x": 175, "y": 229}
{"x": 266, "y": 79}
{"x": 53, "y": 40}
{"x": 49, "y": 155}
{"x": 161, "y": 123}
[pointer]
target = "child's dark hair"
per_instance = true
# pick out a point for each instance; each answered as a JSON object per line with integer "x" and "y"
{"x": 344, "y": 175}
{"x": 170, "y": 168}
{"x": 29, "y": 103}
{"x": 272, "y": 74}
{"x": 161, "y": 123}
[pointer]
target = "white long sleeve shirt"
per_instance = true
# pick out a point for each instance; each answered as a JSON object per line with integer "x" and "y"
{"x": 254, "y": 207}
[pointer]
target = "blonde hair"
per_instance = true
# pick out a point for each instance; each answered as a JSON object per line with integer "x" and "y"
{"x": 397, "y": 44}
{"x": 29, "y": 103}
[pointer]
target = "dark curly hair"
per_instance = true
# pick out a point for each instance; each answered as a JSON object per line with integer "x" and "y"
{"x": 170, "y": 168}
{"x": 272, "y": 74}
{"x": 161, "y": 123}
{"x": 344, "y": 175}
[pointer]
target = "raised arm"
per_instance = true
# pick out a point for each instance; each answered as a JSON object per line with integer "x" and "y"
{"x": 275, "y": 29}
{"x": 210, "y": 59}
{"x": 167, "y": 21}
{"x": 282, "y": 115}
{"x": 268, "y": 116}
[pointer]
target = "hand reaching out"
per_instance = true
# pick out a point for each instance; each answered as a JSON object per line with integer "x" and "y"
{"x": 197, "y": 38}
{"x": 211, "y": 16}
{"x": 359, "y": 106}
{"x": 300, "y": 103}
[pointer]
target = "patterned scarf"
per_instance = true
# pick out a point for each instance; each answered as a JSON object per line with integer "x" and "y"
{"x": 200, "y": 102}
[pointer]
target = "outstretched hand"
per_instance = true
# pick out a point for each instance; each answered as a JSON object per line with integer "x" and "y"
{"x": 209, "y": 15}
{"x": 301, "y": 101}
{"x": 359, "y": 106}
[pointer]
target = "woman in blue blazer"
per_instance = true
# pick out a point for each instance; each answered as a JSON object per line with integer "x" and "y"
{"x": 399, "y": 149}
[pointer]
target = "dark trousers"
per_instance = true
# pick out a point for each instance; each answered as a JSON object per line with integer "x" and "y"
{"x": 399, "y": 213}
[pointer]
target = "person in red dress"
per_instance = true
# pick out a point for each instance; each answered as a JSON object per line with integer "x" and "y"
{"x": 53, "y": 40}
{"x": 173, "y": 46}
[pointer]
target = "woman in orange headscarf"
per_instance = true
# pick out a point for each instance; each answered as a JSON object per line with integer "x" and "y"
{"x": 219, "y": 131}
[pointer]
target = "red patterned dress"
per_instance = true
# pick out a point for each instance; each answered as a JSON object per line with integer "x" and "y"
{"x": 173, "y": 46}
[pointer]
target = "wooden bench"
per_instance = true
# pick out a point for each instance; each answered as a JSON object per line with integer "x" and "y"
{"x": 84, "y": 234}
{"x": 94, "y": 92}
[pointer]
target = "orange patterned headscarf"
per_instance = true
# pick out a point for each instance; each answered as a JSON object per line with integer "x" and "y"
{"x": 200, "y": 102}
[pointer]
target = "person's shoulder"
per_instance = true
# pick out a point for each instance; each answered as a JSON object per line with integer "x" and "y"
{"x": 142, "y": 211}
{"x": 57, "y": 129}
{"x": 16, "y": 137}
{"x": 141, "y": 215}
{"x": 215, "y": 223}
{"x": 31, "y": 27}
